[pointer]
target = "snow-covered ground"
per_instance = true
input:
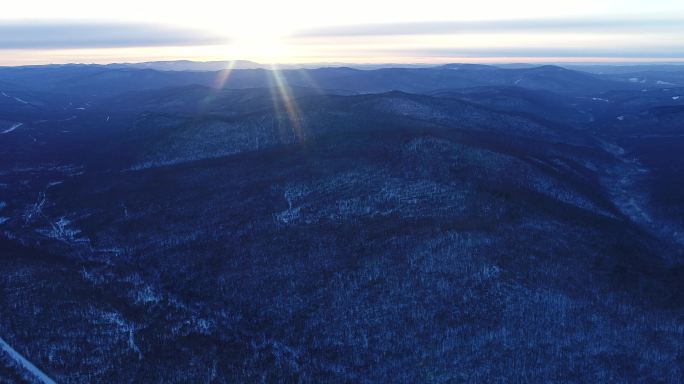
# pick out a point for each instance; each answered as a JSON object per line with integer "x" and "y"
{"x": 622, "y": 183}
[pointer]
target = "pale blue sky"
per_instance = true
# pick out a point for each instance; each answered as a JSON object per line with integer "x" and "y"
{"x": 333, "y": 31}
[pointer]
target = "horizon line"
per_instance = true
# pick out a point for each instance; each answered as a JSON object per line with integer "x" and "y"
{"x": 442, "y": 61}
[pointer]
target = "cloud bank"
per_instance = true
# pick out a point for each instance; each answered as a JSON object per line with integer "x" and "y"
{"x": 66, "y": 35}
{"x": 597, "y": 37}
{"x": 540, "y": 52}
{"x": 594, "y": 25}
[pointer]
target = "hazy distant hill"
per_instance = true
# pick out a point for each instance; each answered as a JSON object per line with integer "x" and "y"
{"x": 98, "y": 81}
{"x": 187, "y": 65}
{"x": 606, "y": 69}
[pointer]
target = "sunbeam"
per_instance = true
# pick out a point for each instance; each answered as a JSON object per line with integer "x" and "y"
{"x": 306, "y": 78}
{"x": 224, "y": 75}
{"x": 284, "y": 94}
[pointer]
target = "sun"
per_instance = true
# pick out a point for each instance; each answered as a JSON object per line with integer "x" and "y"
{"x": 264, "y": 48}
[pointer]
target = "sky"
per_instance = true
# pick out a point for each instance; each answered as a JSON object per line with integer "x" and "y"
{"x": 350, "y": 31}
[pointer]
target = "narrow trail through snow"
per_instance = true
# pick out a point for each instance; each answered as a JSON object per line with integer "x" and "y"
{"x": 12, "y": 128}
{"x": 623, "y": 185}
{"x": 27, "y": 365}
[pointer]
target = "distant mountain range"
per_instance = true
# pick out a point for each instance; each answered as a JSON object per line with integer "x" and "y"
{"x": 97, "y": 81}
{"x": 187, "y": 65}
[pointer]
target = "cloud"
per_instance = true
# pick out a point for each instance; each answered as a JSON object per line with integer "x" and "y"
{"x": 540, "y": 52}
{"x": 498, "y": 26}
{"x": 65, "y": 35}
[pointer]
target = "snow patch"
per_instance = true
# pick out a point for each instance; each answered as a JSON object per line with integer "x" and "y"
{"x": 621, "y": 118}
{"x": 60, "y": 230}
{"x": 35, "y": 209}
{"x": 676, "y": 97}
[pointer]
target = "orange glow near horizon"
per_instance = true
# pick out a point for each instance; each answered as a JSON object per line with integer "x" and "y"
{"x": 98, "y": 56}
